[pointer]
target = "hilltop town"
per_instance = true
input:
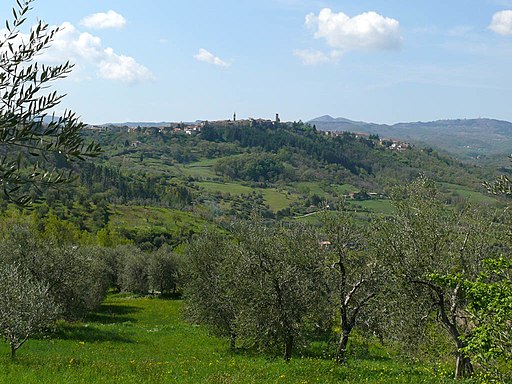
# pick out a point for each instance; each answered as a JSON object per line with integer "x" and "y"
{"x": 194, "y": 128}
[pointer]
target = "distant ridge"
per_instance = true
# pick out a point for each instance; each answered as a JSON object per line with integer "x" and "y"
{"x": 330, "y": 119}
{"x": 135, "y": 124}
{"x": 474, "y": 138}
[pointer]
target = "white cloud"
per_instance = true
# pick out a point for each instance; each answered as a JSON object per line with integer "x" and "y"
{"x": 103, "y": 20}
{"x": 208, "y": 57}
{"x": 86, "y": 50}
{"x": 502, "y": 22}
{"x": 122, "y": 68}
{"x": 365, "y": 32}
{"x": 314, "y": 57}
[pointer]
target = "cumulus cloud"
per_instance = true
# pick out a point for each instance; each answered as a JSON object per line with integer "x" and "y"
{"x": 365, "y": 32}
{"x": 122, "y": 68}
{"x": 501, "y": 22}
{"x": 103, "y": 20}
{"x": 210, "y": 58}
{"x": 314, "y": 57}
{"x": 85, "y": 50}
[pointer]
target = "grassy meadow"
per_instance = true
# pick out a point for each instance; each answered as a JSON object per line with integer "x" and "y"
{"x": 146, "y": 340}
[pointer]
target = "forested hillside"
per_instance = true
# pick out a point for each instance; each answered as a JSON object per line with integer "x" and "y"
{"x": 259, "y": 155}
{"x": 227, "y": 171}
{"x": 475, "y": 139}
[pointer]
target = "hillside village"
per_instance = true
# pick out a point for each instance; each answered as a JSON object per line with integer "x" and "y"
{"x": 194, "y": 128}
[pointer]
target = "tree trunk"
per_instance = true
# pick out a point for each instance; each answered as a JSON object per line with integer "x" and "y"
{"x": 288, "y": 348}
{"x": 342, "y": 348}
{"x": 232, "y": 342}
{"x": 13, "y": 350}
{"x": 463, "y": 367}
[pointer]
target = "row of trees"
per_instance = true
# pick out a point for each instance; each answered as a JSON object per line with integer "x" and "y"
{"x": 41, "y": 281}
{"x": 43, "y": 278}
{"x": 284, "y": 286}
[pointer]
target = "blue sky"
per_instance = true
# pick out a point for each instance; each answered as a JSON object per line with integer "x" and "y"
{"x": 381, "y": 61}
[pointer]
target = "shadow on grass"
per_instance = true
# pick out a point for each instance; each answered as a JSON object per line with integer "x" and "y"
{"x": 90, "y": 334}
{"x": 170, "y": 296}
{"x": 106, "y": 314}
{"x": 321, "y": 350}
{"x": 113, "y": 314}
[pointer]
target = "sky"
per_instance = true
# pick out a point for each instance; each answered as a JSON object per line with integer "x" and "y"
{"x": 382, "y": 61}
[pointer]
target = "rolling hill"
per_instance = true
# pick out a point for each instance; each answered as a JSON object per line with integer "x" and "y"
{"x": 466, "y": 138}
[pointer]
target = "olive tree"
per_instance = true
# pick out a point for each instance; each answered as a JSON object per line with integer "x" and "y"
{"x": 75, "y": 277}
{"x": 26, "y": 305}
{"x": 282, "y": 293}
{"x": 426, "y": 238}
{"x": 357, "y": 273}
{"x": 134, "y": 275}
{"x": 164, "y": 270}
{"x": 29, "y": 136}
{"x": 211, "y": 280}
{"x": 489, "y": 298}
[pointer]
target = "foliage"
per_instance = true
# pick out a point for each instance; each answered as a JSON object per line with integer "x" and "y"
{"x": 26, "y": 307}
{"x": 426, "y": 238}
{"x": 490, "y": 307}
{"x": 75, "y": 277}
{"x": 211, "y": 283}
{"x": 282, "y": 286}
{"x": 266, "y": 286}
{"x": 165, "y": 270}
{"x": 502, "y": 185}
{"x": 357, "y": 274}
{"x": 134, "y": 276}
{"x": 28, "y": 144}
{"x": 260, "y": 167}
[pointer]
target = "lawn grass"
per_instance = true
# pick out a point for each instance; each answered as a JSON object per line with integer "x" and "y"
{"x": 145, "y": 340}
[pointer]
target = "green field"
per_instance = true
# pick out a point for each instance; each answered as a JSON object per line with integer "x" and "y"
{"x": 199, "y": 169}
{"x": 144, "y": 224}
{"x": 145, "y": 340}
{"x": 276, "y": 199}
{"x": 310, "y": 187}
{"x": 123, "y": 216}
{"x": 469, "y": 194}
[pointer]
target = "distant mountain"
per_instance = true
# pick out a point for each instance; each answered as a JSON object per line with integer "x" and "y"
{"x": 465, "y": 137}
